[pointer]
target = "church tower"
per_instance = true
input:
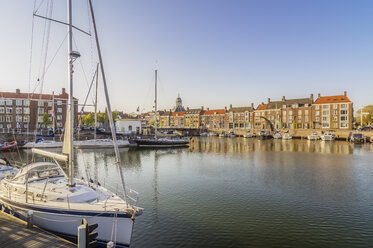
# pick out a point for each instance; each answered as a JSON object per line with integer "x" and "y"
{"x": 179, "y": 105}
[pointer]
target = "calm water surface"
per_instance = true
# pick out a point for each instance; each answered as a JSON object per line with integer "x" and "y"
{"x": 239, "y": 192}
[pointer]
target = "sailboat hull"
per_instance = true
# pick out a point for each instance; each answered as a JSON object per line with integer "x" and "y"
{"x": 65, "y": 222}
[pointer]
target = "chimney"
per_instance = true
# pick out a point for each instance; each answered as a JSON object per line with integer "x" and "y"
{"x": 311, "y": 97}
{"x": 63, "y": 91}
{"x": 208, "y": 108}
{"x": 202, "y": 107}
{"x": 230, "y": 106}
{"x": 283, "y": 98}
{"x": 226, "y": 107}
{"x": 252, "y": 105}
{"x": 269, "y": 100}
{"x": 345, "y": 93}
{"x": 262, "y": 103}
{"x": 18, "y": 91}
{"x": 187, "y": 108}
{"x": 318, "y": 95}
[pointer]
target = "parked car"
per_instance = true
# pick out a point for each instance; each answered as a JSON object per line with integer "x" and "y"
{"x": 366, "y": 128}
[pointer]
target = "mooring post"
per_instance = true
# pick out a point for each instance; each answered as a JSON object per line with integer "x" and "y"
{"x": 82, "y": 236}
{"x": 29, "y": 218}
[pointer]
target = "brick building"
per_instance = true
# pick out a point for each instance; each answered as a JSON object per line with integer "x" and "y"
{"x": 332, "y": 112}
{"x": 177, "y": 119}
{"x": 26, "y": 110}
{"x": 215, "y": 118}
{"x": 241, "y": 117}
{"x": 297, "y": 113}
{"x": 193, "y": 118}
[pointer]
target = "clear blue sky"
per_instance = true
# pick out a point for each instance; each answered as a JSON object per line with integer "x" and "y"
{"x": 213, "y": 52}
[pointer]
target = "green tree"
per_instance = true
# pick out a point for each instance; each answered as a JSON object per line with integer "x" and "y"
{"x": 46, "y": 120}
{"x": 88, "y": 120}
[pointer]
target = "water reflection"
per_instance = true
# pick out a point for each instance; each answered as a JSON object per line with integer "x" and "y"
{"x": 240, "y": 192}
{"x": 242, "y": 145}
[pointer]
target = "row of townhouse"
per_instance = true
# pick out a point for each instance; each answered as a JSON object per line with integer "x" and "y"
{"x": 26, "y": 110}
{"x": 326, "y": 112}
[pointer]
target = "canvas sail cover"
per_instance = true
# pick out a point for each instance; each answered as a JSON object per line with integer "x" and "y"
{"x": 66, "y": 137}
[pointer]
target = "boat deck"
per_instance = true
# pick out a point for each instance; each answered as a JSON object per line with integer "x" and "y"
{"x": 14, "y": 233}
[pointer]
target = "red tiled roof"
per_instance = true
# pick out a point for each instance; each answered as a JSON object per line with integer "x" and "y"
{"x": 177, "y": 113}
{"x": 33, "y": 96}
{"x": 213, "y": 111}
{"x": 332, "y": 99}
{"x": 261, "y": 107}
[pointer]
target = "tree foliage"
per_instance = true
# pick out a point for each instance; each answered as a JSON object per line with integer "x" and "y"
{"x": 46, "y": 120}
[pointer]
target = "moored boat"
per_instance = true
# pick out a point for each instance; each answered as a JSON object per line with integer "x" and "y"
{"x": 357, "y": 138}
{"x": 264, "y": 135}
{"x": 7, "y": 146}
{"x": 277, "y": 135}
{"x": 287, "y": 136}
{"x": 328, "y": 136}
{"x": 313, "y": 136}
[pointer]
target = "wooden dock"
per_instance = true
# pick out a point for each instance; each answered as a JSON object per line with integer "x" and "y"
{"x": 14, "y": 233}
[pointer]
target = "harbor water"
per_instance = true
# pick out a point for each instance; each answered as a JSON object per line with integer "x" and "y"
{"x": 223, "y": 192}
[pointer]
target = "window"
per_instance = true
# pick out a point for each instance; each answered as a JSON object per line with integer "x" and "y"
{"x": 9, "y": 102}
{"x": 1, "y": 125}
{"x": 343, "y": 106}
{"x": 295, "y": 105}
{"x": 325, "y": 112}
{"x": 306, "y": 119}
{"x": 19, "y": 118}
{"x": 1, "y": 102}
{"x": 343, "y": 112}
{"x": 50, "y": 104}
{"x": 343, "y": 118}
{"x": 1, "y": 118}
{"x": 26, "y": 111}
{"x": 299, "y": 112}
{"x": 9, "y": 110}
{"x": 325, "y": 106}
{"x": 18, "y": 111}
{"x": 40, "y": 119}
{"x": 317, "y": 113}
{"x": 59, "y": 124}
{"x": 59, "y": 110}
{"x": 317, "y": 118}
{"x": 49, "y": 112}
{"x": 8, "y": 118}
{"x": 290, "y": 119}
{"x": 59, "y": 117}
{"x": 284, "y": 106}
{"x": 317, "y": 107}
{"x": 306, "y": 105}
{"x": 299, "y": 118}
{"x": 284, "y": 112}
{"x": 40, "y": 111}
{"x": 9, "y": 126}
{"x": 26, "y": 118}
{"x": 335, "y": 106}
{"x": 2, "y": 110}
{"x": 26, "y": 102}
{"x": 25, "y": 125}
{"x": 19, "y": 102}
{"x": 40, "y": 103}
{"x": 335, "y": 118}
{"x": 290, "y": 112}
{"x": 284, "y": 119}
{"x": 306, "y": 112}
{"x": 59, "y": 102}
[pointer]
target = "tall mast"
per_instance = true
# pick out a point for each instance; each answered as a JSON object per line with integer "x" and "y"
{"x": 53, "y": 115}
{"x": 155, "y": 103}
{"x": 71, "y": 98}
{"x": 94, "y": 134}
{"x": 112, "y": 127}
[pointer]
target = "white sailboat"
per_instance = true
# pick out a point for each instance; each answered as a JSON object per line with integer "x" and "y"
{"x": 159, "y": 142}
{"x": 57, "y": 200}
